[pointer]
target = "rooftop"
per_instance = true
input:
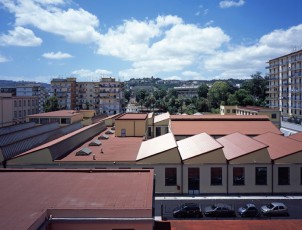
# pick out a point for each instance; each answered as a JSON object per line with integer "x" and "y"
{"x": 133, "y": 116}
{"x": 219, "y": 117}
{"x": 237, "y": 145}
{"x": 256, "y": 108}
{"x": 59, "y": 113}
{"x": 296, "y": 136}
{"x": 279, "y": 146}
{"x": 156, "y": 145}
{"x": 90, "y": 193}
{"x": 161, "y": 117}
{"x": 222, "y": 127}
{"x": 113, "y": 149}
{"x": 196, "y": 145}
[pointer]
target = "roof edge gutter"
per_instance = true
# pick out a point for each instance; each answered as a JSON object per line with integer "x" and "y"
{"x": 84, "y": 219}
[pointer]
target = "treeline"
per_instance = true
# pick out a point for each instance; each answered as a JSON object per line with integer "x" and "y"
{"x": 251, "y": 92}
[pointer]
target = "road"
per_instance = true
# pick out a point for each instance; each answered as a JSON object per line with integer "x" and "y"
{"x": 166, "y": 205}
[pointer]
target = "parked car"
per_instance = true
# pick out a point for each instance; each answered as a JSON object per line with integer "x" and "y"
{"x": 190, "y": 210}
{"x": 249, "y": 210}
{"x": 219, "y": 210}
{"x": 274, "y": 209}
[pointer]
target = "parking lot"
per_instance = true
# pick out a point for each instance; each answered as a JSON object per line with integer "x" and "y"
{"x": 164, "y": 205}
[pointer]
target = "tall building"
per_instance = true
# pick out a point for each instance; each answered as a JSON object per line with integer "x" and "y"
{"x": 285, "y": 84}
{"x": 105, "y": 96}
{"x": 65, "y": 91}
{"x": 111, "y": 96}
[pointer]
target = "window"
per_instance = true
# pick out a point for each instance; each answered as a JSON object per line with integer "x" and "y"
{"x": 123, "y": 132}
{"x": 238, "y": 176}
{"x": 15, "y": 103}
{"x": 20, "y": 103}
{"x": 20, "y": 114}
{"x": 301, "y": 175}
{"x": 216, "y": 176}
{"x": 283, "y": 176}
{"x": 167, "y": 129}
{"x": 158, "y": 131}
{"x": 274, "y": 116}
{"x": 149, "y": 131}
{"x": 15, "y": 114}
{"x": 261, "y": 176}
{"x": 170, "y": 176}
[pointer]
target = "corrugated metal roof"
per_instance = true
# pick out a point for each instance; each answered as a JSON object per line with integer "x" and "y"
{"x": 279, "y": 146}
{"x": 133, "y": 116}
{"x": 162, "y": 117}
{"x": 14, "y": 128}
{"x": 236, "y": 145}
{"x": 222, "y": 128}
{"x": 90, "y": 193}
{"x": 156, "y": 145}
{"x": 196, "y": 145}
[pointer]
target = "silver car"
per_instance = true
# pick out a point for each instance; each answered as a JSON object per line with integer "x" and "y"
{"x": 274, "y": 209}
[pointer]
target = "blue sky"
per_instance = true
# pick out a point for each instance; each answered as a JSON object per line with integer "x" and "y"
{"x": 171, "y": 39}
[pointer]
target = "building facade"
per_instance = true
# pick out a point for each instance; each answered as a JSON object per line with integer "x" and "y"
{"x": 285, "y": 84}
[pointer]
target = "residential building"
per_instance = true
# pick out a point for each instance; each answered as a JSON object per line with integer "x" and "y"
{"x": 33, "y": 91}
{"x": 187, "y": 91}
{"x": 77, "y": 199}
{"x": 65, "y": 91}
{"x": 273, "y": 114}
{"x": 88, "y": 95}
{"x": 285, "y": 89}
{"x": 6, "y": 109}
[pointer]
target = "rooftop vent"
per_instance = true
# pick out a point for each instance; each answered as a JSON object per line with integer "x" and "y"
{"x": 110, "y": 132}
{"x": 84, "y": 152}
{"x": 103, "y": 137}
{"x": 95, "y": 143}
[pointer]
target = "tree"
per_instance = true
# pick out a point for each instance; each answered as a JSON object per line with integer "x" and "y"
{"x": 232, "y": 100}
{"x": 218, "y": 93}
{"x": 141, "y": 94}
{"x": 127, "y": 95}
{"x": 203, "y": 90}
{"x": 51, "y": 104}
{"x": 202, "y": 105}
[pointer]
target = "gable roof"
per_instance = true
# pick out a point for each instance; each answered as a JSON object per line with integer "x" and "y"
{"x": 237, "y": 145}
{"x": 162, "y": 117}
{"x": 296, "y": 136}
{"x": 156, "y": 145}
{"x": 133, "y": 116}
{"x": 279, "y": 146}
{"x": 197, "y": 145}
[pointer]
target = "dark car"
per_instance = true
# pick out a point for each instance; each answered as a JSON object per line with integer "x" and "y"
{"x": 219, "y": 210}
{"x": 190, "y": 210}
{"x": 274, "y": 209}
{"x": 249, "y": 210}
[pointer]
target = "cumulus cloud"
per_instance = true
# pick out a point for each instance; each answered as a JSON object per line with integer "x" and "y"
{"x": 239, "y": 61}
{"x": 79, "y": 25}
{"x": 57, "y": 55}
{"x": 20, "y": 37}
{"x": 86, "y": 74}
{"x": 161, "y": 45}
{"x": 228, "y": 4}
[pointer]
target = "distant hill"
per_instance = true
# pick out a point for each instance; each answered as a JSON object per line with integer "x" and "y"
{"x": 10, "y": 83}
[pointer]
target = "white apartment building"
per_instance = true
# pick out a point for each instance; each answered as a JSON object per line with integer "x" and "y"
{"x": 285, "y": 84}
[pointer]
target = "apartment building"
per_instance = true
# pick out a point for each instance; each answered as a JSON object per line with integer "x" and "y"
{"x": 65, "y": 91}
{"x": 105, "y": 96}
{"x": 187, "y": 91}
{"x": 285, "y": 84}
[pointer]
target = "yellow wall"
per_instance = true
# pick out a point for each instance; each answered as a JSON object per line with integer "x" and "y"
{"x": 170, "y": 156}
{"x": 134, "y": 128}
{"x": 214, "y": 157}
{"x": 250, "y": 180}
{"x": 42, "y": 156}
{"x": 260, "y": 156}
{"x": 291, "y": 159}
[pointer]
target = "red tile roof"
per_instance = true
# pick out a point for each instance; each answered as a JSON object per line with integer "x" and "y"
{"x": 279, "y": 146}
{"x": 133, "y": 116}
{"x": 296, "y": 136}
{"x": 237, "y": 145}
{"x": 26, "y": 195}
{"x": 114, "y": 149}
{"x": 256, "y": 108}
{"x": 222, "y": 128}
{"x": 220, "y": 117}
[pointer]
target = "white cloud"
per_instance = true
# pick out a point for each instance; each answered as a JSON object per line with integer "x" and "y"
{"x": 3, "y": 59}
{"x": 162, "y": 45}
{"x": 242, "y": 61}
{"x": 77, "y": 26}
{"x": 57, "y": 55}
{"x": 209, "y": 23}
{"x": 173, "y": 78}
{"x": 88, "y": 75}
{"x": 190, "y": 74}
{"x": 20, "y": 37}
{"x": 228, "y": 4}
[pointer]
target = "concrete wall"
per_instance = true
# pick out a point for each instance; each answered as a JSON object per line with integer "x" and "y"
{"x": 134, "y": 128}
{"x": 260, "y": 156}
{"x": 42, "y": 156}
